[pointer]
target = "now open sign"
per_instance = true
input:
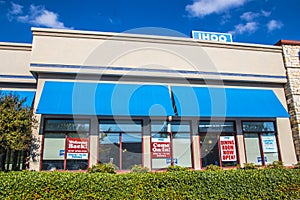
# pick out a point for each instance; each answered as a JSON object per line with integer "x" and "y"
{"x": 212, "y": 36}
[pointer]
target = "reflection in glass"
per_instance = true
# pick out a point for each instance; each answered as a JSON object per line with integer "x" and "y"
{"x": 131, "y": 150}
{"x": 258, "y": 126}
{"x": 67, "y": 125}
{"x": 120, "y": 143}
{"x": 109, "y": 149}
{"x": 214, "y": 126}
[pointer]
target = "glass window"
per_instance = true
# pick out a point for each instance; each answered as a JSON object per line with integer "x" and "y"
{"x": 209, "y": 149}
{"x": 131, "y": 150}
{"x": 120, "y": 142}
{"x": 109, "y": 149}
{"x": 218, "y": 145}
{"x": 260, "y": 142}
{"x": 67, "y": 125}
{"x": 54, "y": 151}
{"x": 269, "y": 147}
{"x": 252, "y": 146}
{"x": 65, "y": 136}
{"x": 258, "y": 126}
{"x": 162, "y": 141}
{"x": 208, "y": 126}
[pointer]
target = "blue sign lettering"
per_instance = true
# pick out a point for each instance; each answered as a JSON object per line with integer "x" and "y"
{"x": 212, "y": 36}
{"x": 175, "y": 160}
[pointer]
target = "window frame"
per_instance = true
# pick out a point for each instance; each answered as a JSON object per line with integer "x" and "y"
{"x": 260, "y": 133}
{"x": 65, "y": 133}
{"x": 222, "y": 133}
{"x": 189, "y": 122}
{"x": 115, "y": 121}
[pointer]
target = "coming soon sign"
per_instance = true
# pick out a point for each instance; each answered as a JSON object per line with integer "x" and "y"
{"x": 212, "y": 36}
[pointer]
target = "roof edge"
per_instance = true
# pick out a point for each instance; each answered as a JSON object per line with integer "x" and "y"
{"x": 148, "y": 38}
{"x": 15, "y": 46}
{"x": 287, "y": 42}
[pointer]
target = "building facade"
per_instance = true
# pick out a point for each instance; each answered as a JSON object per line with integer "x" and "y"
{"x": 155, "y": 101}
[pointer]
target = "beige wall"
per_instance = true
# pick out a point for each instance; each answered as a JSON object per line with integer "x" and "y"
{"x": 15, "y": 62}
{"x": 153, "y": 56}
{"x": 286, "y": 144}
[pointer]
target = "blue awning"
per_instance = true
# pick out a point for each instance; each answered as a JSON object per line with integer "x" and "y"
{"x": 29, "y": 95}
{"x": 105, "y": 99}
{"x": 227, "y": 102}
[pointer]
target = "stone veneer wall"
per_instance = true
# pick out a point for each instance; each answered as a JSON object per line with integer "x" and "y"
{"x": 291, "y": 57}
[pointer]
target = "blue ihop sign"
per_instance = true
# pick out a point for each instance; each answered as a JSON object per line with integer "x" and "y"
{"x": 212, "y": 36}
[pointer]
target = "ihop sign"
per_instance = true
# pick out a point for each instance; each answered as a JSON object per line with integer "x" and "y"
{"x": 212, "y": 36}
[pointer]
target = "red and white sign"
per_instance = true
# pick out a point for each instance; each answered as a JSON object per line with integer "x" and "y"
{"x": 161, "y": 149}
{"x": 228, "y": 151}
{"x": 77, "y": 148}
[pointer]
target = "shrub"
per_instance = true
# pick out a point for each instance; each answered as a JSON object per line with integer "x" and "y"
{"x": 212, "y": 167}
{"x": 250, "y": 166}
{"x": 176, "y": 168}
{"x": 139, "y": 169}
{"x": 276, "y": 165}
{"x": 297, "y": 166}
{"x": 225, "y": 184}
{"x": 103, "y": 168}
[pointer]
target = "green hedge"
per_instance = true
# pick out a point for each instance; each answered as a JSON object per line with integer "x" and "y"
{"x": 226, "y": 184}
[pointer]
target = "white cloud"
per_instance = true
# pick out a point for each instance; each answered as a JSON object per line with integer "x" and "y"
{"x": 201, "y": 8}
{"x": 38, "y": 16}
{"x": 274, "y": 24}
{"x": 249, "y": 16}
{"x": 15, "y": 9}
{"x": 265, "y": 13}
{"x": 249, "y": 27}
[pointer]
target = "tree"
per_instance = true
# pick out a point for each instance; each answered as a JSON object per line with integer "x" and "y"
{"x": 16, "y": 124}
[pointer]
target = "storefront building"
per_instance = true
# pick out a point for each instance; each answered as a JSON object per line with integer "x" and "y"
{"x": 155, "y": 101}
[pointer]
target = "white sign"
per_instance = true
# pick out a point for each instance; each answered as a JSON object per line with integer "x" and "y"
{"x": 228, "y": 151}
{"x": 212, "y": 36}
{"x": 83, "y": 156}
{"x": 269, "y": 144}
{"x": 160, "y": 139}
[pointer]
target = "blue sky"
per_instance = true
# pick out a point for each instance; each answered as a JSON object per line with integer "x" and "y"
{"x": 250, "y": 21}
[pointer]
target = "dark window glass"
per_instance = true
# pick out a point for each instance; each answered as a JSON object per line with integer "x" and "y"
{"x": 67, "y": 125}
{"x": 258, "y": 126}
{"x": 218, "y": 145}
{"x": 208, "y": 126}
{"x": 209, "y": 149}
{"x": 120, "y": 142}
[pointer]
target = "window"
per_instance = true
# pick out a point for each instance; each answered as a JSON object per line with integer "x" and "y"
{"x": 65, "y": 144}
{"x": 120, "y": 143}
{"x": 170, "y": 141}
{"x": 218, "y": 143}
{"x": 260, "y": 142}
